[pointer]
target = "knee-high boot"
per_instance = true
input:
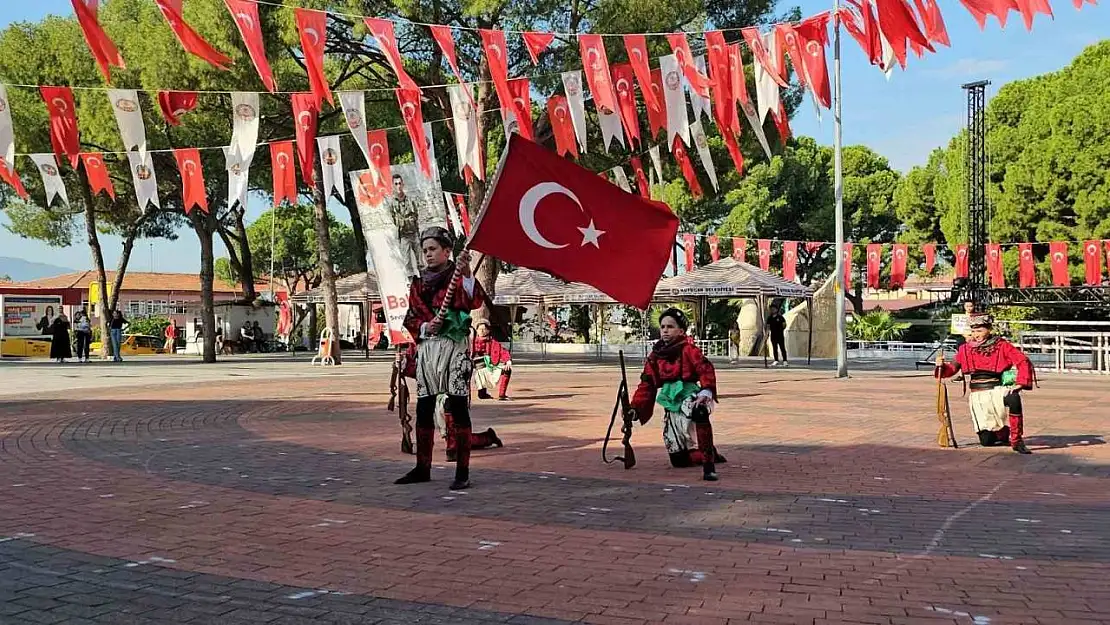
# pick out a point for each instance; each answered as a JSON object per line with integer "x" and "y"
{"x": 503, "y": 384}
{"x": 425, "y": 442}
{"x": 460, "y": 411}
{"x": 1017, "y": 443}
{"x": 708, "y": 451}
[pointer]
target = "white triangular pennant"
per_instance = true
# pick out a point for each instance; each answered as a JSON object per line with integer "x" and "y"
{"x": 622, "y": 179}
{"x": 466, "y": 129}
{"x": 429, "y": 141}
{"x": 678, "y": 123}
{"x": 146, "y": 184}
{"x": 238, "y": 174}
{"x": 757, "y": 127}
{"x": 766, "y": 89}
{"x": 702, "y": 145}
{"x": 129, "y": 117}
{"x": 331, "y": 164}
{"x": 244, "y": 125}
{"x": 51, "y": 177}
{"x": 7, "y": 130}
{"x": 354, "y": 110}
{"x": 453, "y": 214}
{"x": 656, "y": 162}
{"x": 699, "y": 104}
{"x": 888, "y": 56}
{"x": 572, "y": 86}
{"x": 610, "y": 128}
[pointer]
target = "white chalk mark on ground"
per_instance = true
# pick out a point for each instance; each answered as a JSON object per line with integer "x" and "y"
{"x": 486, "y": 545}
{"x": 694, "y": 576}
{"x": 329, "y": 522}
{"x": 1028, "y": 520}
{"x": 991, "y": 556}
{"x": 16, "y": 537}
{"x": 1052, "y": 494}
{"x": 150, "y": 560}
{"x": 192, "y": 504}
{"x": 976, "y": 620}
{"x": 1065, "y": 531}
{"x": 108, "y": 496}
{"x": 827, "y": 500}
{"x": 776, "y": 530}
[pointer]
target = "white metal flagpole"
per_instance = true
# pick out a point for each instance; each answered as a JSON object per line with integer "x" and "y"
{"x": 843, "y": 282}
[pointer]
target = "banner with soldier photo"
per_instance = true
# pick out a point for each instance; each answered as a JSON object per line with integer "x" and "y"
{"x": 416, "y": 204}
{"x": 383, "y": 254}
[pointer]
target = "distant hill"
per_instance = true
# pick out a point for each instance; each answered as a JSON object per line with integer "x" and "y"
{"x": 20, "y": 270}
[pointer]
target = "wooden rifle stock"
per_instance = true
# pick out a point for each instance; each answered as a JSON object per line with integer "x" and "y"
{"x": 624, "y": 405}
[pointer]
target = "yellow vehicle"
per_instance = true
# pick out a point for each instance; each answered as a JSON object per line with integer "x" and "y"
{"x": 25, "y": 347}
{"x": 133, "y": 345}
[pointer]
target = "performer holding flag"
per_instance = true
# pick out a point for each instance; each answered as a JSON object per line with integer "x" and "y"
{"x": 987, "y": 361}
{"x": 443, "y": 365}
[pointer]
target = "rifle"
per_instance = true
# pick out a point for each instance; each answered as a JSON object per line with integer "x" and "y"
{"x": 946, "y": 436}
{"x": 623, "y": 405}
{"x": 399, "y": 399}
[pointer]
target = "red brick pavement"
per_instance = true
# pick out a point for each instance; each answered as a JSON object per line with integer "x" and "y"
{"x": 835, "y": 507}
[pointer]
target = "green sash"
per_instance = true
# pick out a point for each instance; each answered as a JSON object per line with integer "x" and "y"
{"x": 1009, "y": 377}
{"x": 672, "y": 394}
{"x": 456, "y": 325}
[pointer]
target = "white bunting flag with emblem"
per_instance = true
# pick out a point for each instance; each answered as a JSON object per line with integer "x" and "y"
{"x": 700, "y": 105}
{"x": 429, "y": 142}
{"x": 466, "y": 129}
{"x": 677, "y": 122}
{"x": 656, "y": 162}
{"x": 244, "y": 125}
{"x": 453, "y": 214}
{"x": 572, "y": 85}
{"x": 622, "y": 179}
{"x": 51, "y": 178}
{"x": 610, "y": 128}
{"x": 125, "y": 104}
{"x": 702, "y": 144}
{"x": 146, "y": 184}
{"x": 238, "y": 173}
{"x": 354, "y": 110}
{"x": 331, "y": 164}
{"x": 7, "y": 130}
{"x": 766, "y": 89}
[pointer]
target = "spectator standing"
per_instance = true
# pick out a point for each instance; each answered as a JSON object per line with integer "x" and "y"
{"x": 83, "y": 331}
{"x": 171, "y": 338}
{"x": 60, "y": 347}
{"x": 776, "y": 323}
{"x": 259, "y": 337}
{"x": 115, "y": 330}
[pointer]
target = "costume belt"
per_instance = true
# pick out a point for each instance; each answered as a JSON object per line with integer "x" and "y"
{"x": 984, "y": 381}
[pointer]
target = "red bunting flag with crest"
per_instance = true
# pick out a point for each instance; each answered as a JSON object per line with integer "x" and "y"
{"x": 305, "y": 116}
{"x": 764, "y": 248}
{"x": 409, "y": 101}
{"x": 285, "y": 178}
{"x": 899, "y": 26}
{"x": 846, "y": 269}
{"x": 714, "y": 248}
{"x": 1092, "y": 258}
{"x": 245, "y": 14}
{"x": 790, "y": 260}
{"x": 678, "y": 150}
{"x": 874, "y": 260}
{"x": 624, "y": 80}
{"x": 493, "y": 42}
{"x": 313, "y": 28}
{"x": 1027, "y": 270}
{"x": 739, "y": 248}
{"x": 961, "y": 261}
{"x": 699, "y": 83}
{"x": 174, "y": 104}
{"x": 103, "y": 49}
{"x": 899, "y": 255}
{"x": 813, "y": 37}
{"x": 192, "y": 179}
{"x": 935, "y": 30}
{"x": 558, "y": 114}
{"x": 192, "y": 42}
{"x": 994, "y": 266}
{"x": 636, "y": 47}
{"x": 1058, "y": 257}
{"x": 378, "y": 147}
{"x": 9, "y": 175}
{"x": 522, "y": 106}
{"x": 536, "y": 44}
{"x": 642, "y": 184}
{"x": 930, "y": 252}
{"x": 657, "y": 114}
{"x": 689, "y": 246}
{"x": 596, "y": 65}
{"x": 63, "y": 122}
{"x": 382, "y": 30}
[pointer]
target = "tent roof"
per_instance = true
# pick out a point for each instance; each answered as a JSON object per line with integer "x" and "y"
{"x": 728, "y": 278}
{"x": 352, "y": 289}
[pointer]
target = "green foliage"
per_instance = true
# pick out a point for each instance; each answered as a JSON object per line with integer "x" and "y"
{"x": 149, "y": 326}
{"x": 876, "y": 325}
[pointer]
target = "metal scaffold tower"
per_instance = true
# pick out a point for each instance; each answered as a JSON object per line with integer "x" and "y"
{"x": 977, "y": 209}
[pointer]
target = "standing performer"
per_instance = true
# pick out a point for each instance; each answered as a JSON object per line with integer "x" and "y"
{"x": 443, "y": 419}
{"x": 679, "y": 376}
{"x": 984, "y": 359}
{"x": 443, "y": 366}
{"x": 493, "y": 365}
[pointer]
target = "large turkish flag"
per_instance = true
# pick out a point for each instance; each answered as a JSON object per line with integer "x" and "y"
{"x": 547, "y": 213}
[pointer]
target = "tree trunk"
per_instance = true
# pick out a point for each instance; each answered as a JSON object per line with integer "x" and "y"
{"x": 98, "y": 261}
{"x": 121, "y": 267}
{"x": 360, "y": 238}
{"x": 327, "y": 269}
{"x": 204, "y": 225}
{"x": 246, "y": 261}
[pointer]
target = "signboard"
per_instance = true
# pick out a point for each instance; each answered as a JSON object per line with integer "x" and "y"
{"x": 384, "y": 254}
{"x": 28, "y": 315}
{"x": 960, "y": 325}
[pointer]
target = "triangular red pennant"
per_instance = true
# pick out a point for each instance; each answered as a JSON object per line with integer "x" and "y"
{"x": 103, "y": 49}
{"x": 642, "y": 184}
{"x": 1030, "y": 8}
{"x": 657, "y": 116}
{"x": 624, "y": 81}
{"x": 493, "y": 41}
{"x": 935, "y": 30}
{"x": 192, "y": 179}
{"x": 812, "y": 36}
{"x": 521, "y": 91}
{"x": 176, "y": 103}
{"x": 285, "y": 178}
{"x": 595, "y": 63}
{"x": 733, "y": 147}
{"x": 636, "y": 47}
{"x": 445, "y": 37}
{"x": 762, "y": 56}
{"x": 536, "y": 44}
{"x": 930, "y": 252}
{"x": 63, "y": 122}
{"x": 97, "y": 173}
{"x": 245, "y": 14}
{"x": 899, "y": 26}
{"x": 699, "y": 82}
{"x": 9, "y": 175}
{"x": 411, "y": 112}
{"x": 678, "y": 149}
{"x": 192, "y": 42}
{"x": 558, "y": 115}
{"x": 724, "y": 103}
{"x": 305, "y": 118}
{"x": 382, "y": 30}
{"x": 313, "y": 28}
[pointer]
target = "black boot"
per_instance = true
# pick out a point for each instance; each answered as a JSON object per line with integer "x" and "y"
{"x": 484, "y": 394}
{"x": 1021, "y": 448}
{"x": 425, "y": 440}
{"x": 709, "y": 472}
{"x": 417, "y": 475}
{"x": 462, "y": 460}
{"x": 493, "y": 437}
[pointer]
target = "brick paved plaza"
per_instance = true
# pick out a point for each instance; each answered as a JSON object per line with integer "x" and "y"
{"x": 261, "y": 492}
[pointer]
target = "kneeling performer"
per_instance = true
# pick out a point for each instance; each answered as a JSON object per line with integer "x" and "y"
{"x": 984, "y": 359}
{"x": 679, "y": 376}
{"x": 442, "y": 365}
{"x": 493, "y": 365}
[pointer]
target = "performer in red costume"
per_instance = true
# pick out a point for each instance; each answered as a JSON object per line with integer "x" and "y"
{"x": 986, "y": 359}
{"x": 443, "y": 419}
{"x": 443, "y": 365}
{"x": 679, "y": 376}
{"x": 493, "y": 365}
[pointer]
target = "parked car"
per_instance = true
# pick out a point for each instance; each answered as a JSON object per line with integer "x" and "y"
{"x": 137, "y": 345}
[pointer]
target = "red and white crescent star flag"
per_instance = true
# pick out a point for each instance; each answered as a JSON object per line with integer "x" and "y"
{"x": 899, "y": 26}
{"x": 192, "y": 42}
{"x": 862, "y": 30}
{"x": 624, "y": 80}
{"x": 313, "y": 28}
{"x": 522, "y": 106}
{"x": 245, "y": 14}
{"x": 762, "y": 56}
{"x": 445, "y": 37}
{"x": 935, "y": 30}
{"x": 636, "y": 47}
{"x": 104, "y": 51}
{"x": 387, "y": 41}
{"x": 1030, "y": 8}
{"x": 192, "y": 179}
{"x": 724, "y": 106}
{"x": 961, "y": 261}
{"x": 558, "y": 114}
{"x": 699, "y": 83}
{"x": 874, "y": 259}
{"x": 9, "y": 175}
{"x": 1092, "y": 257}
{"x": 899, "y": 255}
{"x": 764, "y": 247}
{"x": 683, "y": 160}
{"x": 642, "y": 184}
{"x": 788, "y": 41}
{"x": 596, "y": 65}
{"x": 63, "y": 122}
{"x": 994, "y": 266}
{"x": 379, "y": 159}
{"x": 790, "y": 260}
{"x": 283, "y": 167}
{"x": 305, "y": 113}
{"x": 714, "y": 248}
{"x": 1058, "y": 256}
{"x": 930, "y": 252}
{"x": 846, "y": 269}
{"x": 547, "y": 213}
{"x": 689, "y": 246}
{"x": 97, "y": 174}
{"x": 536, "y": 44}
{"x": 493, "y": 42}
{"x": 411, "y": 112}
{"x": 739, "y": 248}
{"x": 1027, "y": 271}
{"x": 657, "y": 114}
{"x": 813, "y": 37}
{"x": 174, "y": 104}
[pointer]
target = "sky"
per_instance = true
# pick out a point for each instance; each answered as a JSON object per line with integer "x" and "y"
{"x": 904, "y": 119}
